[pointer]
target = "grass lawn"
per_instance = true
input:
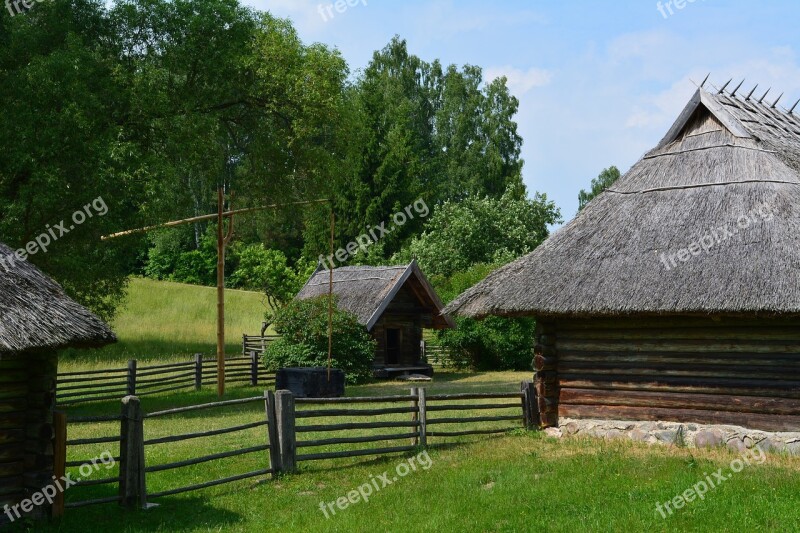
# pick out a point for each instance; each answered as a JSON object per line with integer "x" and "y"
{"x": 163, "y": 321}
{"x": 522, "y": 481}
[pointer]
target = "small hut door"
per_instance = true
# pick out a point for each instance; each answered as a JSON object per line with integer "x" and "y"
{"x": 392, "y": 346}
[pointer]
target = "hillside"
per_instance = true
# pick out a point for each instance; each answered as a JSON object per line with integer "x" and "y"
{"x": 163, "y": 320}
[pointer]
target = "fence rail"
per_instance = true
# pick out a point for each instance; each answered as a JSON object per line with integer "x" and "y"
{"x": 257, "y": 343}
{"x": 114, "y": 383}
{"x": 318, "y": 434}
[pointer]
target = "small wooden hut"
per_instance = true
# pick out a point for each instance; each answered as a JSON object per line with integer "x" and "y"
{"x": 36, "y": 319}
{"x": 675, "y": 294}
{"x": 394, "y": 303}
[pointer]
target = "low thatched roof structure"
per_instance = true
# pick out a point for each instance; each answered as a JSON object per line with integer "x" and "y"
{"x": 728, "y": 163}
{"x": 367, "y": 291}
{"x": 36, "y": 314}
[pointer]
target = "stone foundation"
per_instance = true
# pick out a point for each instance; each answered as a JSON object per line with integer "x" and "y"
{"x": 735, "y": 438}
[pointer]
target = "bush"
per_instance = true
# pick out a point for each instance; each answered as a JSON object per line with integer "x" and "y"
{"x": 494, "y": 343}
{"x": 303, "y": 326}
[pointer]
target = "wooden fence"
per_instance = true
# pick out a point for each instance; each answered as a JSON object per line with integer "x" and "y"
{"x": 408, "y": 421}
{"x": 114, "y": 383}
{"x": 257, "y": 343}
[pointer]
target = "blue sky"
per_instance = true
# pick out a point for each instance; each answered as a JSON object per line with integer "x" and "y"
{"x": 599, "y": 83}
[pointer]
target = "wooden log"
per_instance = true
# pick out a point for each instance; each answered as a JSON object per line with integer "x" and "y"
{"x": 541, "y": 363}
{"x": 201, "y": 434}
{"x": 356, "y": 399}
{"x": 353, "y": 412}
{"x": 131, "y": 377}
{"x": 783, "y": 389}
{"x": 473, "y": 396}
{"x": 272, "y": 433}
{"x": 472, "y": 407}
{"x": 179, "y": 410}
{"x": 198, "y": 371}
{"x": 133, "y": 486}
{"x": 423, "y": 417}
{"x": 206, "y": 458}
{"x": 285, "y": 418}
{"x": 209, "y": 484}
{"x": 748, "y": 420}
{"x": 470, "y": 432}
{"x": 356, "y": 425}
{"x": 678, "y": 400}
{"x": 473, "y": 419}
{"x": 59, "y": 458}
{"x": 355, "y": 440}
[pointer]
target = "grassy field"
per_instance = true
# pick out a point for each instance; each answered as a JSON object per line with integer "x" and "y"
{"x": 518, "y": 482}
{"x": 166, "y": 321}
{"x": 521, "y": 481}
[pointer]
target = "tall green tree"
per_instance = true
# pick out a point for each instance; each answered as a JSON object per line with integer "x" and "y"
{"x": 602, "y": 182}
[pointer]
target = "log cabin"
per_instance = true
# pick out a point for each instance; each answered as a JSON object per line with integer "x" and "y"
{"x": 394, "y": 303}
{"x": 36, "y": 320}
{"x": 673, "y": 295}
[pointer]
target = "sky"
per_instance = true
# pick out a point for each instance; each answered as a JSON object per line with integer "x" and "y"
{"x": 599, "y": 83}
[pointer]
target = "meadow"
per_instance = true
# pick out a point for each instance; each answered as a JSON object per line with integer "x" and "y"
{"x": 518, "y": 481}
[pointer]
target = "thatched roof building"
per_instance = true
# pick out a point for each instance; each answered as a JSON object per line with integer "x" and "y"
{"x": 683, "y": 276}
{"x": 394, "y": 303}
{"x": 36, "y": 314}
{"x": 36, "y": 319}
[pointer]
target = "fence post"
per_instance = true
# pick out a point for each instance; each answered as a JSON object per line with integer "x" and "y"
{"x": 414, "y": 415}
{"x": 244, "y": 343}
{"x": 132, "y": 377}
{"x": 253, "y": 369}
{"x": 530, "y": 409}
{"x": 198, "y": 371}
{"x": 132, "y": 486}
{"x": 272, "y": 434}
{"x": 284, "y": 411}
{"x": 423, "y": 417}
{"x": 59, "y": 458}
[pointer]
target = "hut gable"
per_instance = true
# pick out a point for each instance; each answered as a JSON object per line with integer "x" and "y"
{"x": 368, "y": 291}
{"x": 35, "y": 313}
{"x": 728, "y": 164}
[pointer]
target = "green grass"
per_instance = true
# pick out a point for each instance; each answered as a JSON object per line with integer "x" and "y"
{"x": 166, "y": 321}
{"x": 519, "y": 482}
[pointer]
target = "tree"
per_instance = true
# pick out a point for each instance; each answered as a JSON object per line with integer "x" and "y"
{"x": 481, "y": 230}
{"x": 602, "y": 182}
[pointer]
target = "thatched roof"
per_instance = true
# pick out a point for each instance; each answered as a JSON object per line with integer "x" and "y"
{"x": 724, "y": 158}
{"x": 35, "y": 313}
{"x": 367, "y": 291}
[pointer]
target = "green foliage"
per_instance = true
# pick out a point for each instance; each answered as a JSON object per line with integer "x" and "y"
{"x": 482, "y": 230}
{"x": 169, "y": 260}
{"x": 494, "y": 343}
{"x": 602, "y": 182}
{"x": 303, "y": 325}
{"x": 268, "y": 271}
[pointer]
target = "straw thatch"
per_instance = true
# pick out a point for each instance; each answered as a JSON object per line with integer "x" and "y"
{"x": 367, "y": 291}
{"x": 36, "y": 314}
{"x": 723, "y": 158}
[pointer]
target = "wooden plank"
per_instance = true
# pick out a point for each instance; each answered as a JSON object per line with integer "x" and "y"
{"x": 783, "y": 389}
{"x": 677, "y": 400}
{"x": 356, "y": 399}
{"x": 749, "y": 420}
{"x": 201, "y": 434}
{"x": 473, "y": 419}
{"x": 356, "y": 425}
{"x": 208, "y": 484}
{"x": 423, "y": 418}
{"x": 473, "y": 396}
{"x": 212, "y": 405}
{"x": 59, "y": 458}
{"x": 206, "y": 458}
{"x": 353, "y": 412}
{"x": 285, "y": 418}
{"x": 355, "y": 440}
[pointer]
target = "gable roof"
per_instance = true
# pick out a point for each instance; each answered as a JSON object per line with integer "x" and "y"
{"x": 725, "y": 161}
{"x": 367, "y": 291}
{"x": 35, "y": 313}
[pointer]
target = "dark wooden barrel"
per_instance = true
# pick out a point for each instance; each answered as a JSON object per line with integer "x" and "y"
{"x": 311, "y": 382}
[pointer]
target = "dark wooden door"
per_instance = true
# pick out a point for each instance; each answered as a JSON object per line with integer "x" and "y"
{"x": 393, "y": 343}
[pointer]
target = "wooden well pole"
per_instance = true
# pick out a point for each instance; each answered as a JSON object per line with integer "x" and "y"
{"x": 220, "y": 296}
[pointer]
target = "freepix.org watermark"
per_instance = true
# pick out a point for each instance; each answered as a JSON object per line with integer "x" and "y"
{"x": 666, "y": 7}
{"x": 376, "y": 484}
{"x": 48, "y": 494}
{"x": 712, "y": 481}
{"x": 16, "y": 7}
{"x": 340, "y": 6}
{"x": 365, "y": 240}
{"x": 52, "y": 233}
{"x": 716, "y": 236}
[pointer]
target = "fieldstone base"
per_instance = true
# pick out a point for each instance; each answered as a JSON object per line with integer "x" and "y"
{"x": 690, "y": 435}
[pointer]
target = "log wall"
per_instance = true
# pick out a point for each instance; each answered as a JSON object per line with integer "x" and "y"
{"x": 27, "y": 399}
{"x": 714, "y": 371}
{"x": 406, "y": 314}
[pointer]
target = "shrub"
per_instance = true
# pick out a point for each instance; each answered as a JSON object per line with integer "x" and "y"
{"x": 303, "y": 326}
{"x": 494, "y": 343}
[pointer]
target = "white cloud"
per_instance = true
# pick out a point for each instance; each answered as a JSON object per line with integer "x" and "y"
{"x": 520, "y": 81}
